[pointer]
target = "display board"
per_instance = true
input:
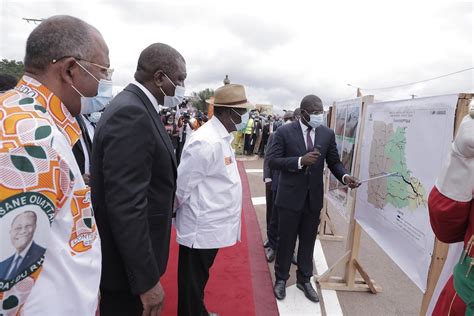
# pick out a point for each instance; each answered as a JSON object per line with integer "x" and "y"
{"x": 409, "y": 138}
{"x": 347, "y": 115}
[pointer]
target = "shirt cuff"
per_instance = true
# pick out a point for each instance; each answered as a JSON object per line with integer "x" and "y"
{"x": 266, "y": 180}
{"x": 299, "y": 163}
{"x": 343, "y": 178}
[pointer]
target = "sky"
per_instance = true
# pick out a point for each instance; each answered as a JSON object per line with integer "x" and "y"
{"x": 279, "y": 50}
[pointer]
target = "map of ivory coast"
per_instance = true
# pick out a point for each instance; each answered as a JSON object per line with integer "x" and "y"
{"x": 387, "y": 155}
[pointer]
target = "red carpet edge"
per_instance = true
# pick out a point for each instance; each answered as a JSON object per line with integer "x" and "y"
{"x": 265, "y": 303}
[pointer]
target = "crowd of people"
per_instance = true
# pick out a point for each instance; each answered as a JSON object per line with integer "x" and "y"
{"x": 180, "y": 124}
{"x": 253, "y": 138}
{"x": 88, "y": 194}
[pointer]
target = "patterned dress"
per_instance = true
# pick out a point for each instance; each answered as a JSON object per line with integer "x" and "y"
{"x": 38, "y": 174}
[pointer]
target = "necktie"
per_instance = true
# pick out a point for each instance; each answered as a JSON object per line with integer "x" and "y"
{"x": 309, "y": 141}
{"x": 85, "y": 134}
{"x": 15, "y": 265}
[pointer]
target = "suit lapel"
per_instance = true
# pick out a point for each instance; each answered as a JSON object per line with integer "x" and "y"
{"x": 300, "y": 138}
{"x": 26, "y": 259}
{"x": 156, "y": 120}
{"x": 7, "y": 266}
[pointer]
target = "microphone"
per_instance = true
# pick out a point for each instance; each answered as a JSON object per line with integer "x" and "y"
{"x": 317, "y": 149}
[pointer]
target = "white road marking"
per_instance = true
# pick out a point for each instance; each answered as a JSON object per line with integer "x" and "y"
{"x": 260, "y": 200}
{"x": 331, "y": 302}
{"x": 254, "y": 170}
{"x": 295, "y": 303}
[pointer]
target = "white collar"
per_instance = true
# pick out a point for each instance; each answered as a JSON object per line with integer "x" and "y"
{"x": 150, "y": 96}
{"x": 220, "y": 128}
{"x": 304, "y": 128}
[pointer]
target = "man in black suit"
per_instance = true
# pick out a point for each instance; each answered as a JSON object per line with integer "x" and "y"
{"x": 298, "y": 151}
{"x": 82, "y": 149}
{"x": 133, "y": 184}
{"x": 27, "y": 252}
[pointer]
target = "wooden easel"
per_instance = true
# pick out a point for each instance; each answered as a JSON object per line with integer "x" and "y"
{"x": 349, "y": 260}
{"x": 440, "y": 249}
{"x": 327, "y": 230}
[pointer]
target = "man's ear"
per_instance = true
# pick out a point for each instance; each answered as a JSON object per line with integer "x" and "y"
{"x": 158, "y": 78}
{"x": 67, "y": 69}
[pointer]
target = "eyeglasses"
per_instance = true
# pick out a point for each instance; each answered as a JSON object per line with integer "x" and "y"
{"x": 109, "y": 71}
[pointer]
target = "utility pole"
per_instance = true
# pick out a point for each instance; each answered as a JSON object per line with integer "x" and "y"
{"x": 35, "y": 21}
{"x": 413, "y": 96}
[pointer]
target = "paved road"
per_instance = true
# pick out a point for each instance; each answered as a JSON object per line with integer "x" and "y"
{"x": 399, "y": 297}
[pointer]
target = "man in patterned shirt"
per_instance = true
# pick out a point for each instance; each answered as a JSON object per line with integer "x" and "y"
{"x": 66, "y": 65}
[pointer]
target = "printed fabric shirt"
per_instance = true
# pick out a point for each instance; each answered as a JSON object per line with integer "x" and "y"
{"x": 209, "y": 190}
{"x": 60, "y": 275}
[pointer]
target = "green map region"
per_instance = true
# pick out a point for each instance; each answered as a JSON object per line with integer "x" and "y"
{"x": 387, "y": 155}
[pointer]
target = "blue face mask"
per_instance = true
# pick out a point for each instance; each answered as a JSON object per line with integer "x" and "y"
{"x": 97, "y": 103}
{"x": 316, "y": 120}
{"x": 244, "y": 119}
{"x": 177, "y": 98}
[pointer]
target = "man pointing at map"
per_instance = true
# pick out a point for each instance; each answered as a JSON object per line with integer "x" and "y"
{"x": 299, "y": 151}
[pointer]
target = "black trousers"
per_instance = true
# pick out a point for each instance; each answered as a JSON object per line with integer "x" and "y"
{"x": 119, "y": 303}
{"x": 272, "y": 223}
{"x": 247, "y": 143}
{"x": 193, "y": 274}
{"x": 292, "y": 224}
{"x": 269, "y": 202}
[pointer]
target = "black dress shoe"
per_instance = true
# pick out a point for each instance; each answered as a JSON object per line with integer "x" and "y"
{"x": 294, "y": 259}
{"x": 280, "y": 289}
{"x": 266, "y": 243}
{"x": 270, "y": 254}
{"x": 308, "y": 290}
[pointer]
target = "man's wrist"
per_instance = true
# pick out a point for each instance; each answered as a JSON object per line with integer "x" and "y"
{"x": 344, "y": 178}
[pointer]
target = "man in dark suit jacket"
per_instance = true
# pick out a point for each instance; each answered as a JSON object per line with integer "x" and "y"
{"x": 133, "y": 183}
{"x": 270, "y": 177}
{"x": 82, "y": 150}
{"x": 299, "y": 150}
{"x": 27, "y": 252}
{"x": 32, "y": 255}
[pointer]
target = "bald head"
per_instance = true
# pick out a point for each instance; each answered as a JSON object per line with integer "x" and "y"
{"x": 60, "y": 36}
{"x": 156, "y": 57}
{"x": 311, "y": 103}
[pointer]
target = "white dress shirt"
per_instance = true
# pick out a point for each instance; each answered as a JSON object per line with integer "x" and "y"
{"x": 304, "y": 129}
{"x": 150, "y": 96}
{"x": 209, "y": 191}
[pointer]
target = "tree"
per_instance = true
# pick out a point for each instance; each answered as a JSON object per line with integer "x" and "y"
{"x": 200, "y": 99}
{"x": 12, "y": 67}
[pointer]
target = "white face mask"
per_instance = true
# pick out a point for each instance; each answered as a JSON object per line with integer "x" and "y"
{"x": 177, "y": 98}
{"x": 97, "y": 103}
{"x": 95, "y": 117}
{"x": 316, "y": 120}
{"x": 244, "y": 119}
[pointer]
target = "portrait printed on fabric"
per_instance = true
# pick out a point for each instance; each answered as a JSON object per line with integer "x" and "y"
{"x": 24, "y": 233}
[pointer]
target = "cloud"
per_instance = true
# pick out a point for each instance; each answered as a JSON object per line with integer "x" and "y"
{"x": 280, "y": 51}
